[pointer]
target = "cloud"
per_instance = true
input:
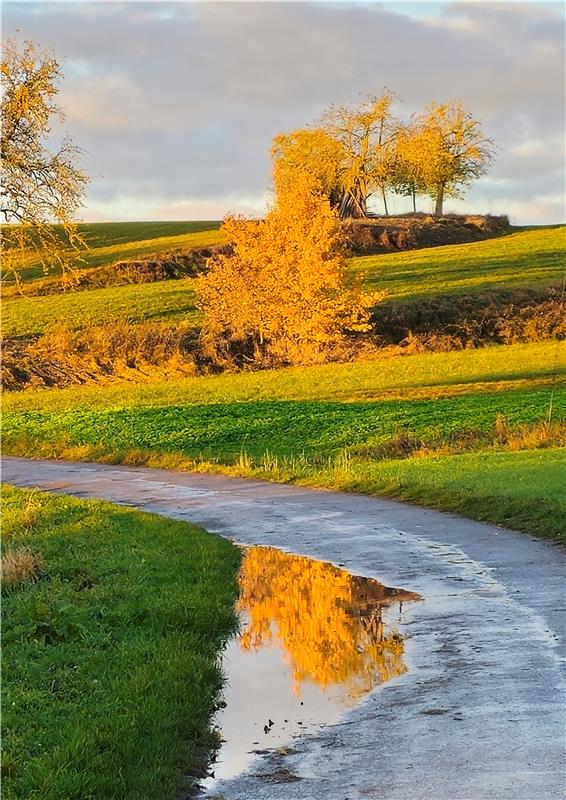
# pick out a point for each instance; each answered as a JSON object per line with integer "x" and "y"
{"x": 176, "y": 103}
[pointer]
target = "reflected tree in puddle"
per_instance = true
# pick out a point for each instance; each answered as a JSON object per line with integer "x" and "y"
{"x": 329, "y": 623}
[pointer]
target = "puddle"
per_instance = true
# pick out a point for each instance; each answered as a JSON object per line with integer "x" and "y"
{"x": 314, "y": 640}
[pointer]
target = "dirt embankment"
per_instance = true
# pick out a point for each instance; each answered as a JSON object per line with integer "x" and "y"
{"x": 156, "y": 267}
{"x": 389, "y": 234}
{"x": 99, "y": 354}
{"x": 124, "y": 351}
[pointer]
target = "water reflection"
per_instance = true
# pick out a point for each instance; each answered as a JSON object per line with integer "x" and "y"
{"x": 314, "y": 640}
{"x": 328, "y": 623}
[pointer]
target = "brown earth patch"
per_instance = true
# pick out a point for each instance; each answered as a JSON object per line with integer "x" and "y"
{"x": 389, "y": 234}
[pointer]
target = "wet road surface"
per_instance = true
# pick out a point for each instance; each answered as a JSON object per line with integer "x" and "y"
{"x": 479, "y": 712}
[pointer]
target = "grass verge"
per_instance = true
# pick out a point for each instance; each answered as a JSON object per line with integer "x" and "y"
{"x": 520, "y": 490}
{"x": 112, "y": 623}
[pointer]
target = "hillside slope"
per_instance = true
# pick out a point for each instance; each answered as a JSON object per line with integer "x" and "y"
{"x": 468, "y": 430}
{"x": 108, "y": 242}
{"x": 531, "y": 258}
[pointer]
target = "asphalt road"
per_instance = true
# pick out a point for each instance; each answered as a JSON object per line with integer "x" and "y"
{"x": 479, "y": 716}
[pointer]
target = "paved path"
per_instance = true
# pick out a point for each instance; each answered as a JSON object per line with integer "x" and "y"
{"x": 479, "y": 716}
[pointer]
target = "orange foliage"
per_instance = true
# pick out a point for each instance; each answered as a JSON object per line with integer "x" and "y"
{"x": 282, "y": 297}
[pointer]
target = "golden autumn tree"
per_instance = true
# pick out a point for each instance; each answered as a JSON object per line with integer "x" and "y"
{"x": 350, "y": 151}
{"x": 39, "y": 187}
{"x": 310, "y": 150}
{"x": 366, "y": 133}
{"x": 281, "y": 296}
{"x": 410, "y": 162}
{"x": 452, "y": 151}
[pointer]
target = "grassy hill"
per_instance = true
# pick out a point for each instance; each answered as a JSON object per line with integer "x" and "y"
{"x": 164, "y": 301}
{"x": 417, "y": 427}
{"x": 108, "y": 242}
{"x": 531, "y": 258}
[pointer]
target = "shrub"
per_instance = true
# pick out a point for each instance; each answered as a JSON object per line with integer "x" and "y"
{"x": 455, "y": 322}
{"x": 281, "y": 297}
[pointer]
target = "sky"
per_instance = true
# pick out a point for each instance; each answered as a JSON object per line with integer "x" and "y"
{"x": 175, "y": 104}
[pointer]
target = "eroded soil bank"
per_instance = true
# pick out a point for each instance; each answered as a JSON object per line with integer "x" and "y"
{"x": 479, "y": 714}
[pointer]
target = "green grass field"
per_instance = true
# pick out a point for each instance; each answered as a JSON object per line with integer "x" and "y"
{"x": 110, "y": 649}
{"x": 163, "y": 301}
{"x": 526, "y": 258}
{"x": 533, "y": 257}
{"x": 109, "y": 242}
{"x": 306, "y": 423}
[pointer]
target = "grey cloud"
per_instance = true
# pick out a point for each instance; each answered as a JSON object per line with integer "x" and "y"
{"x": 177, "y": 101}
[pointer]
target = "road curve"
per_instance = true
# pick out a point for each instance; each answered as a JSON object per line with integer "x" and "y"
{"x": 479, "y": 715}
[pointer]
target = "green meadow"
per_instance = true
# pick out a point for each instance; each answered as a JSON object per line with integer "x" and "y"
{"x": 110, "y": 648}
{"x": 431, "y": 375}
{"x": 163, "y": 301}
{"x": 413, "y": 426}
{"x": 522, "y": 258}
{"x": 108, "y": 242}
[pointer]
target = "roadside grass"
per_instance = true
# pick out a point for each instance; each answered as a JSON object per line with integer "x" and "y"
{"x": 423, "y": 376}
{"x": 110, "y": 648}
{"x": 521, "y": 490}
{"x": 164, "y": 301}
{"x": 533, "y": 257}
{"x": 117, "y": 241}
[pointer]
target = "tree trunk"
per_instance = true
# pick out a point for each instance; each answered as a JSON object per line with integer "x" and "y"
{"x": 439, "y": 201}
{"x": 353, "y": 204}
{"x": 384, "y": 201}
{"x": 414, "y": 200}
